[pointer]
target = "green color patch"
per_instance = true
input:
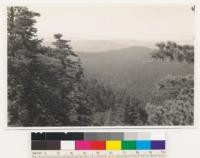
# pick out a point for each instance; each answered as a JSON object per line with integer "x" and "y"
{"x": 128, "y": 145}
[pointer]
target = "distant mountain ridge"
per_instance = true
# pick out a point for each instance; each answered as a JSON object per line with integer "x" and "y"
{"x": 97, "y": 46}
{"x": 120, "y": 54}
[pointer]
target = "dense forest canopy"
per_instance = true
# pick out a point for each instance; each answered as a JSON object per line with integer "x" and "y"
{"x": 55, "y": 86}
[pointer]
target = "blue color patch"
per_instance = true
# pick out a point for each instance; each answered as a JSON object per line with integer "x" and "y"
{"x": 143, "y": 145}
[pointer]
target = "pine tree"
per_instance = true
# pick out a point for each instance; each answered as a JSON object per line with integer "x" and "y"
{"x": 21, "y": 30}
{"x": 22, "y": 44}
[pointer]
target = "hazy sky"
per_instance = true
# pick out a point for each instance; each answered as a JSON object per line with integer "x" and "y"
{"x": 115, "y": 21}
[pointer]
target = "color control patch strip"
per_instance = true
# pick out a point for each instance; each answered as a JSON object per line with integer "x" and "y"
{"x": 98, "y": 141}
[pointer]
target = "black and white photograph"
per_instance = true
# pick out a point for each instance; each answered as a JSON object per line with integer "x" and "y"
{"x": 100, "y": 65}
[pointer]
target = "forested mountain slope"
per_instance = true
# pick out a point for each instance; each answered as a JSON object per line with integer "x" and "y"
{"x": 131, "y": 69}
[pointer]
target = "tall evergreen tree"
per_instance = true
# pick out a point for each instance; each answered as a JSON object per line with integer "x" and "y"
{"x": 21, "y": 30}
{"x": 22, "y": 43}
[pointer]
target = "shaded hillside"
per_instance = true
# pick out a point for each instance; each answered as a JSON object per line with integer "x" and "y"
{"x": 130, "y": 69}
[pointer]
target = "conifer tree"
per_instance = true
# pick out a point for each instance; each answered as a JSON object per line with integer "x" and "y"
{"x": 22, "y": 43}
{"x": 21, "y": 30}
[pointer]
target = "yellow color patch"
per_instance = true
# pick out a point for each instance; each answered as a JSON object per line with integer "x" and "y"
{"x": 113, "y": 145}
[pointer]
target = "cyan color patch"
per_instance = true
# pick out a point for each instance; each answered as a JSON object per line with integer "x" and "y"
{"x": 143, "y": 145}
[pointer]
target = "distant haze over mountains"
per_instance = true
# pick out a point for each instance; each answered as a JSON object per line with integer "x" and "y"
{"x": 96, "y": 46}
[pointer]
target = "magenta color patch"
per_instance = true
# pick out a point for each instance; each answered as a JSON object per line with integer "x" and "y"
{"x": 82, "y": 145}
